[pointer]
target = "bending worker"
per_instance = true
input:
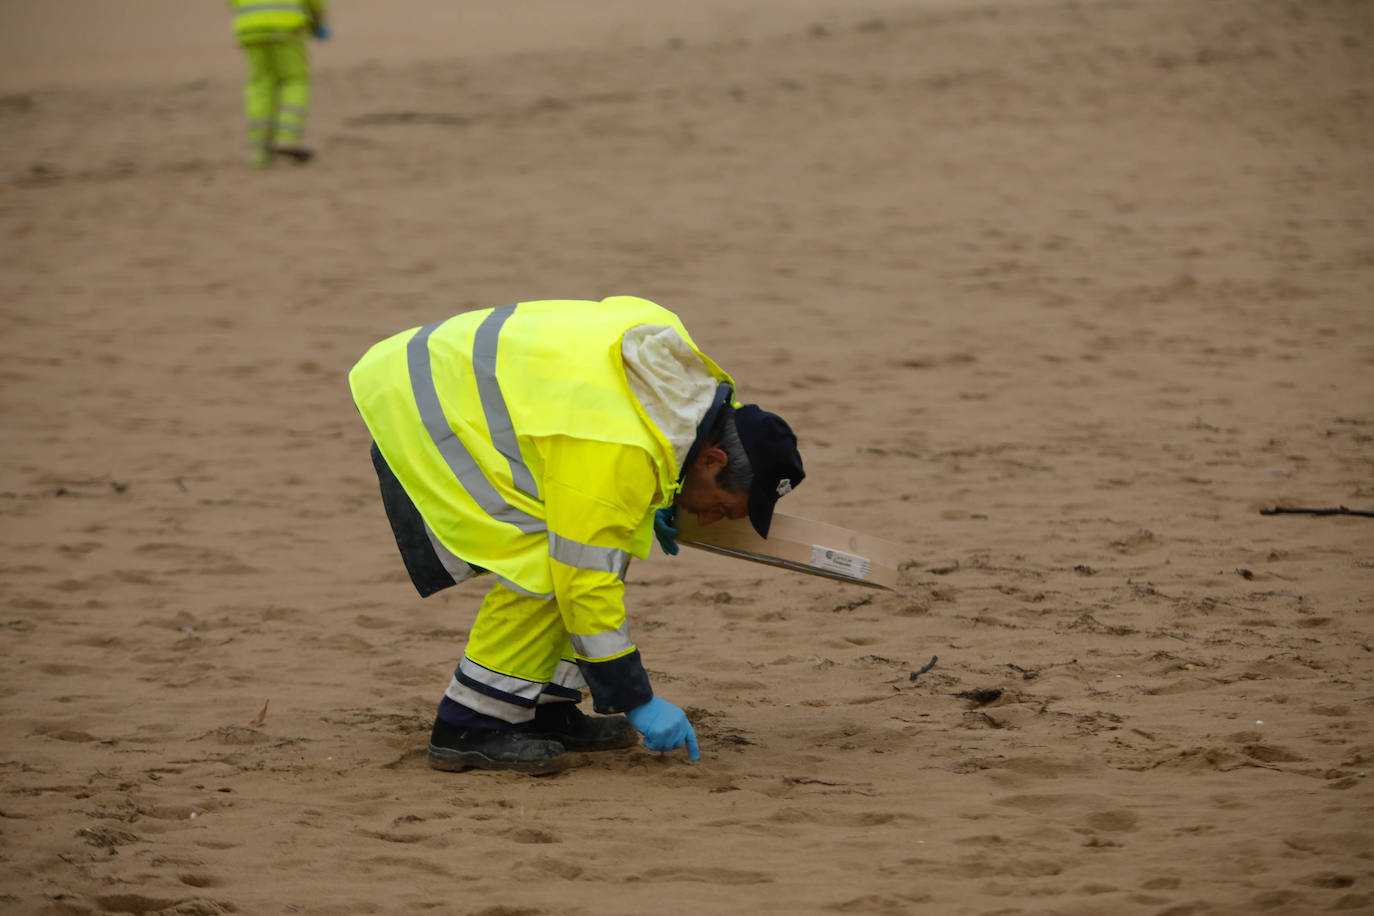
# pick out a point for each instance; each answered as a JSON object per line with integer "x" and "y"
{"x": 545, "y": 444}
{"x": 276, "y": 97}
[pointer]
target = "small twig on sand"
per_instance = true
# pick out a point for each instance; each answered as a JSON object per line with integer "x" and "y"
{"x": 924, "y": 668}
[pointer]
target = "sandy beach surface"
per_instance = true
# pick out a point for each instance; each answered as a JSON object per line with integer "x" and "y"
{"x": 1059, "y": 297}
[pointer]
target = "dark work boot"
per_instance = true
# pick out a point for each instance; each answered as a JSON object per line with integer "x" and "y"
{"x": 570, "y": 727}
{"x": 453, "y": 749}
{"x": 297, "y": 154}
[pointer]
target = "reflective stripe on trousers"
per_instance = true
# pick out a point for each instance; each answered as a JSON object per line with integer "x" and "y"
{"x": 597, "y": 646}
{"x": 507, "y": 698}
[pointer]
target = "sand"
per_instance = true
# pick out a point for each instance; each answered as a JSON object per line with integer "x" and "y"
{"x": 1058, "y": 296}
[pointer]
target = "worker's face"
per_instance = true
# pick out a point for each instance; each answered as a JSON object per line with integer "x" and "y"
{"x": 702, "y": 496}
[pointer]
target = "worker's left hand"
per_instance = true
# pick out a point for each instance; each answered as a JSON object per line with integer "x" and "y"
{"x": 665, "y": 527}
{"x": 322, "y": 32}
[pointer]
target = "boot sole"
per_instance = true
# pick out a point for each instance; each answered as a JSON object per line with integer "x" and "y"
{"x": 451, "y": 761}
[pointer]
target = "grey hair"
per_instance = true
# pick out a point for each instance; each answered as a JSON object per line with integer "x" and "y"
{"x": 738, "y": 473}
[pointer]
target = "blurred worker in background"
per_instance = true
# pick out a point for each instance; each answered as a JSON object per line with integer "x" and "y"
{"x": 545, "y": 444}
{"x": 276, "y": 97}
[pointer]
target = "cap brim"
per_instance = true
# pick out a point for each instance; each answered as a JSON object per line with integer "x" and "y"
{"x": 761, "y": 504}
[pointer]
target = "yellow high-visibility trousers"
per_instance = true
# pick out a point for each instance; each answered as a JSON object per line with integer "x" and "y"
{"x": 276, "y": 97}
{"x": 518, "y": 655}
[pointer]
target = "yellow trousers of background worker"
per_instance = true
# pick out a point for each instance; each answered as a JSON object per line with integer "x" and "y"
{"x": 276, "y": 96}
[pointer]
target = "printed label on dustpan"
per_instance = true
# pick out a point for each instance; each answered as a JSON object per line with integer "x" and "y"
{"x": 837, "y": 561}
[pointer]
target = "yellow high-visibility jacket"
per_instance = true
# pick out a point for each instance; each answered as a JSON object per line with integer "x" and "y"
{"x": 270, "y": 20}
{"x": 519, "y": 439}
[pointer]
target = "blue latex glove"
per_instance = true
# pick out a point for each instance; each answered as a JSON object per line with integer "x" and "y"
{"x": 322, "y": 32}
{"x": 664, "y": 727}
{"x": 665, "y": 527}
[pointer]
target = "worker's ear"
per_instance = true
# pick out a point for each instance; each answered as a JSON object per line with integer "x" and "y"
{"x": 712, "y": 459}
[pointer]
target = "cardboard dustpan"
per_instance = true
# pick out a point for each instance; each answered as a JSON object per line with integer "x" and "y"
{"x": 800, "y": 544}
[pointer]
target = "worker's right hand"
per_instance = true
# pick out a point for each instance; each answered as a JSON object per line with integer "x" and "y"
{"x": 322, "y": 32}
{"x": 665, "y": 528}
{"x": 664, "y": 727}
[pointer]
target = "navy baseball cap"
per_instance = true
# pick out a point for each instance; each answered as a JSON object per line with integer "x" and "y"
{"x": 773, "y": 456}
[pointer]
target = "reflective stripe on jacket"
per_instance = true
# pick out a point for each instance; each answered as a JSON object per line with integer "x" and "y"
{"x": 517, "y": 437}
{"x": 271, "y": 17}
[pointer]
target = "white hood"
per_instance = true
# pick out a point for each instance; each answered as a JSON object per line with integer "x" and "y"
{"x": 671, "y": 382}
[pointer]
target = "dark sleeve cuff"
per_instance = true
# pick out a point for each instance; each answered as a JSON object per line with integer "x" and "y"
{"x": 618, "y": 685}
